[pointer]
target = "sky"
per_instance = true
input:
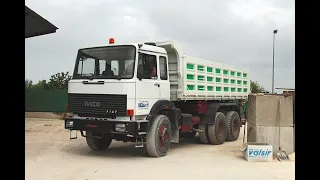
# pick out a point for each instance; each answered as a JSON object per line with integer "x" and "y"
{"x": 236, "y": 32}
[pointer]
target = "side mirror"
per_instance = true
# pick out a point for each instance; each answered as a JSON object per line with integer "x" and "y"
{"x": 139, "y": 76}
{"x": 139, "y": 73}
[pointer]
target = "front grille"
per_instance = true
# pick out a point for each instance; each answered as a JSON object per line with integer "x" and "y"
{"x": 98, "y": 105}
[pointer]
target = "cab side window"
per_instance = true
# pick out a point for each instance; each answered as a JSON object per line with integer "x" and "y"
{"x": 163, "y": 68}
{"x": 147, "y": 66}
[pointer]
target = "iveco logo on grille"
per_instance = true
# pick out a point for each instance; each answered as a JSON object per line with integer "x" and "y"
{"x": 91, "y": 104}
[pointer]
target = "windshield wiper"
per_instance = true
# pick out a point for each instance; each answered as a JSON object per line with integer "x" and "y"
{"x": 88, "y": 77}
{"x": 118, "y": 77}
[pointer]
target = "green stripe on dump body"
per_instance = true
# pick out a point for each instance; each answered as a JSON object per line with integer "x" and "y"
{"x": 190, "y": 87}
{"x": 190, "y": 66}
{"x": 201, "y": 88}
{"x": 200, "y": 78}
{"x": 190, "y": 76}
{"x": 200, "y": 68}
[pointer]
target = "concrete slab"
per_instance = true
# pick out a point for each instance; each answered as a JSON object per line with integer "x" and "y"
{"x": 270, "y": 135}
{"x": 263, "y": 110}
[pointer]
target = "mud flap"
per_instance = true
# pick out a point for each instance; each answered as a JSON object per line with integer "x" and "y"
{"x": 175, "y": 136}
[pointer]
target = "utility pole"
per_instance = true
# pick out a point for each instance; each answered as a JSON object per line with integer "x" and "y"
{"x": 274, "y": 36}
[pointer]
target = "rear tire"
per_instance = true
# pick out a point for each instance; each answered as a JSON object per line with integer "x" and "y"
{"x": 158, "y": 138}
{"x": 98, "y": 144}
{"x": 233, "y": 125}
{"x": 217, "y": 132}
{"x": 202, "y": 134}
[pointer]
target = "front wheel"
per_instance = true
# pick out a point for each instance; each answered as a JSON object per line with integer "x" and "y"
{"x": 158, "y": 139}
{"x": 98, "y": 144}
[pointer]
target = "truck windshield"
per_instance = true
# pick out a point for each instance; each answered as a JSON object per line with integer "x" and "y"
{"x": 111, "y": 62}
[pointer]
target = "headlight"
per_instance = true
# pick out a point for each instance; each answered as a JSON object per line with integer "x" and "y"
{"x": 120, "y": 127}
{"x": 69, "y": 124}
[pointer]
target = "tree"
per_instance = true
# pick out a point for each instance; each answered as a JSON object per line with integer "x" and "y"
{"x": 41, "y": 85}
{"x": 28, "y": 84}
{"x": 59, "y": 81}
{"x": 256, "y": 88}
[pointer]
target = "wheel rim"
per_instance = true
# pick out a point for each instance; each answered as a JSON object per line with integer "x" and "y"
{"x": 164, "y": 140}
{"x": 236, "y": 126}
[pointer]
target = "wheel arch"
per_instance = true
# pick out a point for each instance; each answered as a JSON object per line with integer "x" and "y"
{"x": 164, "y": 107}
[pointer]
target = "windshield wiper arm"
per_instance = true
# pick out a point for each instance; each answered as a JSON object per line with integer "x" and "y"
{"x": 88, "y": 77}
{"x": 118, "y": 77}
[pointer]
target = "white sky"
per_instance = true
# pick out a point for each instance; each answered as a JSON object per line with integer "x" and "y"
{"x": 237, "y": 32}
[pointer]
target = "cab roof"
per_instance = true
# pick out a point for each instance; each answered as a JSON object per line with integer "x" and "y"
{"x": 152, "y": 48}
{"x": 144, "y": 47}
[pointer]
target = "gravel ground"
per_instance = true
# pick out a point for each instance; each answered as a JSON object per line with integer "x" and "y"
{"x": 51, "y": 155}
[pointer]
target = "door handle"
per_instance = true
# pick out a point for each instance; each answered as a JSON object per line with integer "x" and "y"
{"x": 157, "y": 84}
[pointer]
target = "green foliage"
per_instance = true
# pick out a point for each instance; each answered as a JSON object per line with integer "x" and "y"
{"x": 57, "y": 81}
{"x": 28, "y": 84}
{"x": 41, "y": 85}
{"x": 256, "y": 88}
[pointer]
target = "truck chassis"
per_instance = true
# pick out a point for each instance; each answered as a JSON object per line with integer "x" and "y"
{"x": 216, "y": 122}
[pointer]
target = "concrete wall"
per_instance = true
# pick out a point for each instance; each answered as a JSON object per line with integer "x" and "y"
{"x": 270, "y": 135}
{"x": 263, "y": 121}
{"x": 263, "y": 110}
{"x": 293, "y": 94}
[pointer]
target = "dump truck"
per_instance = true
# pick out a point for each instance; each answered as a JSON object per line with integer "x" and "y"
{"x": 153, "y": 95}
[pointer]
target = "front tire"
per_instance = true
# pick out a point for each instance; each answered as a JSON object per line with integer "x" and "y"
{"x": 158, "y": 138}
{"x": 98, "y": 144}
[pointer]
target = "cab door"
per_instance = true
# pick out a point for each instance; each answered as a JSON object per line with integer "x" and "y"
{"x": 164, "y": 78}
{"x": 148, "y": 86}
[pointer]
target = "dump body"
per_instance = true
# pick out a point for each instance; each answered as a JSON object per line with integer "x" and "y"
{"x": 198, "y": 79}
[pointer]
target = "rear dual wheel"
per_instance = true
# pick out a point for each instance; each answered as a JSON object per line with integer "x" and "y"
{"x": 233, "y": 125}
{"x": 214, "y": 133}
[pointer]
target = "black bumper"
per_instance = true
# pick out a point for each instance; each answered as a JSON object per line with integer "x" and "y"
{"x": 108, "y": 127}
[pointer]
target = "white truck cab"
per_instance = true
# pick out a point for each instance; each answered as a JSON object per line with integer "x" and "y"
{"x": 122, "y": 75}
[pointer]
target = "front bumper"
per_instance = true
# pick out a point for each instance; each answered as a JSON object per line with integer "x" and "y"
{"x": 109, "y": 127}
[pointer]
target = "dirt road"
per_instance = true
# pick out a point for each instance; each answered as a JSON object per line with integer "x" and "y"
{"x": 51, "y": 155}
